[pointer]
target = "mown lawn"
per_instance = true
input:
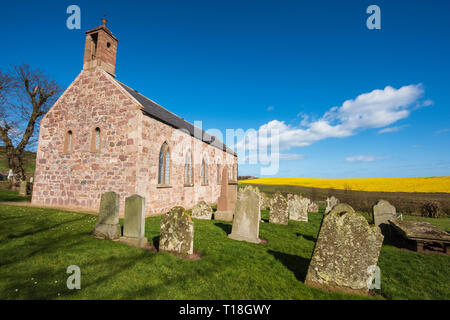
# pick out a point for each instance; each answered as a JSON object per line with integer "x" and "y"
{"x": 37, "y": 245}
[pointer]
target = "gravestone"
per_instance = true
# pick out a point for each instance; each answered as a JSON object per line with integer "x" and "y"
{"x": 331, "y": 202}
{"x": 346, "y": 252}
{"x": 279, "y": 210}
{"x": 134, "y": 222}
{"x": 177, "y": 232}
{"x": 313, "y": 207}
{"x": 246, "y": 219}
{"x": 10, "y": 174}
{"x": 265, "y": 201}
{"x": 202, "y": 211}
{"x": 298, "y": 208}
{"x": 382, "y": 212}
{"x": 23, "y": 188}
{"x": 227, "y": 198}
{"x": 108, "y": 217}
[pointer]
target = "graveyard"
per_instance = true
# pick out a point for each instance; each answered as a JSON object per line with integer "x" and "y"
{"x": 37, "y": 245}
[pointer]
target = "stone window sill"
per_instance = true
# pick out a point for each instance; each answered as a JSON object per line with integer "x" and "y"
{"x": 163, "y": 186}
{"x": 188, "y": 185}
{"x": 205, "y": 184}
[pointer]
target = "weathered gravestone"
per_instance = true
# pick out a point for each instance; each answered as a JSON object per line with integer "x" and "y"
{"x": 246, "y": 217}
{"x": 331, "y": 202}
{"x": 177, "y": 232}
{"x": 265, "y": 201}
{"x": 202, "y": 211}
{"x": 298, "y": 208}
{"x": 108, "y": 217}
{"x": 279, "y": 210}
{"x": 313, "y": 207}
{"x": 23, "y": 188}
{"x": 346, "y": 252}
{"x": 227, "y": 198}
{"x": 382, "y": 212}
{"x": 134, "y": 222}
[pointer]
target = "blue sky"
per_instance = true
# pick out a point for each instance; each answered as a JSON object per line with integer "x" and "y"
{"x": 246, "y": 64}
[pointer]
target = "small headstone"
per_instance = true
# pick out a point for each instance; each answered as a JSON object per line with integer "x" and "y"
{"x": 202, "y": 211}
{"x": 313, "y": 207}
{"x": 247, "y": 216}
{"x": 134, "y": 221}
{"x": 298, "y": 208}
{"x": 10, "y": 174}
{"x": 23, "y": 188}
{"x": 177, "y": 232}
{"x": 108, "y": 217}
{"x": 382, "y": 212}
{"x": 31, "y": 180}
{"x": 279, "y": 210}
{"x": 346, "y": 252}
{"x": 331, "y": 202}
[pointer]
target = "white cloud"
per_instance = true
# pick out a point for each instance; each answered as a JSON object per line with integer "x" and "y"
{"x": 361, "y": 158}
{"x": 376, "y": 109}
{"x": 270, "y": 108}
{"x": 392, "y": 129}
{"x": 443, "y": 131}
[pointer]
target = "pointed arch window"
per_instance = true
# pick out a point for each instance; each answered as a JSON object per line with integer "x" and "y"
{"x": 204, "y": 172}
{"x": 68, "y": 142}
{"x": 96, "y": 140}
{"x": 164, "y": 165}
{"x": 188, "y": 181}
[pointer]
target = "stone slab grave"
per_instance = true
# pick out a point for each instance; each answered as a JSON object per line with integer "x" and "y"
{"x": 383, "y": 211}
{"x": 246, "y": 219}
{"x": 202, "y": 211}
{"x": 177, "y": 233}
{"x": 227, "y": 198}
{"x": 134, "y": 223}
{"x": 298, "y": 208}
{"x": 424, "y": 236}
{"x": 108, "y": 217}
{"x": 313, "y": 207}
{"x": 279, "y": 210}
{"x": 346, "y": 252}
{"x": 331, "y": 202}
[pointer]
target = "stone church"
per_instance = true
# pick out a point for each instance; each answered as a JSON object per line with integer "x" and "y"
{"x": 102, "y": 135}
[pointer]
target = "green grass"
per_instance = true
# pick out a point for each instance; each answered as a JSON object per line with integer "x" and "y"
{"x": 37, "y": 245}
{"x": 13, "y": 196}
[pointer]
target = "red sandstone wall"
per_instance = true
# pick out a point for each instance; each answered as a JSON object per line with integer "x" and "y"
{"x": 78, "y": 179}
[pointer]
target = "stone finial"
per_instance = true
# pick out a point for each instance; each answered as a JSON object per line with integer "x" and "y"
{"x": 104, "y": 20}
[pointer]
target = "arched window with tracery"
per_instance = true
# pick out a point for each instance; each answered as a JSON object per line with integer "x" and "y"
{"x": 164, "y": 164}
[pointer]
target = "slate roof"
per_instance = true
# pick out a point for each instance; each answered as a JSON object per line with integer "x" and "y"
{"x": 154, "y": 110}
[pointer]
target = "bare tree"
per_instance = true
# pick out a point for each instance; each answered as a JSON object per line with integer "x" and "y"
{"x": 25, "y": 96}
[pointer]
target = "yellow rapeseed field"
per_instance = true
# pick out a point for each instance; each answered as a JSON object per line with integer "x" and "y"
{"x": 420, "y": 184}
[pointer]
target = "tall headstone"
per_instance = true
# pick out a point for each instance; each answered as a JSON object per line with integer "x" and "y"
{"x": 108, "y": 217}
{"x": 346, "y": 252}
{"x": 298, "y": 208}
{"x": 202, "y": 211}
{"x": 246, "y": 219}
{"x": 177, "y": 232}
{"x": 382, "y": 212}
{"x": 134, "y": 221}
{"x": 227, "y": 198}
{"x": 279, "y": 210}
{"x": 23, "y": 188}
{"x": 331, "y": 202}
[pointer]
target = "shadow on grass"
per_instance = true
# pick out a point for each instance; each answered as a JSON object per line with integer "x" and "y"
{"x": 298, "y": 265}
{"x": 155, "y": 241}
{"x": 225, "y": 227}
{"x": 306, "y": 237}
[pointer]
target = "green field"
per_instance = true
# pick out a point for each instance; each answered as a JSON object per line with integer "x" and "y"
{"x": 37, "y": 245}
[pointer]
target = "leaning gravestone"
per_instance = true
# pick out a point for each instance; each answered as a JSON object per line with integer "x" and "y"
{"x": 313, "y": 207}
{"x": 346, "y": 252}
{"x": 331, "y": 202}
{"x": 177, "y": 232}
{"x": 202, "y": 211}
{"x": 382, "y": 212}
{"x": 298, "y": 208}
{"x": 246, "y": 219}
{"x": 134, "y": 222}
{"x": 279, "y": 210}
{"x": 108, "y": 217}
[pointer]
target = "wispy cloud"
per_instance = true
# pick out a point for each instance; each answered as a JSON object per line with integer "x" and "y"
{"x": 364, "y": 158}
{"x": 270, "y": 108}
{"x": 376, "y": 109}
{"x": 443, "y": 131}
{"x": 393, "y": 129}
